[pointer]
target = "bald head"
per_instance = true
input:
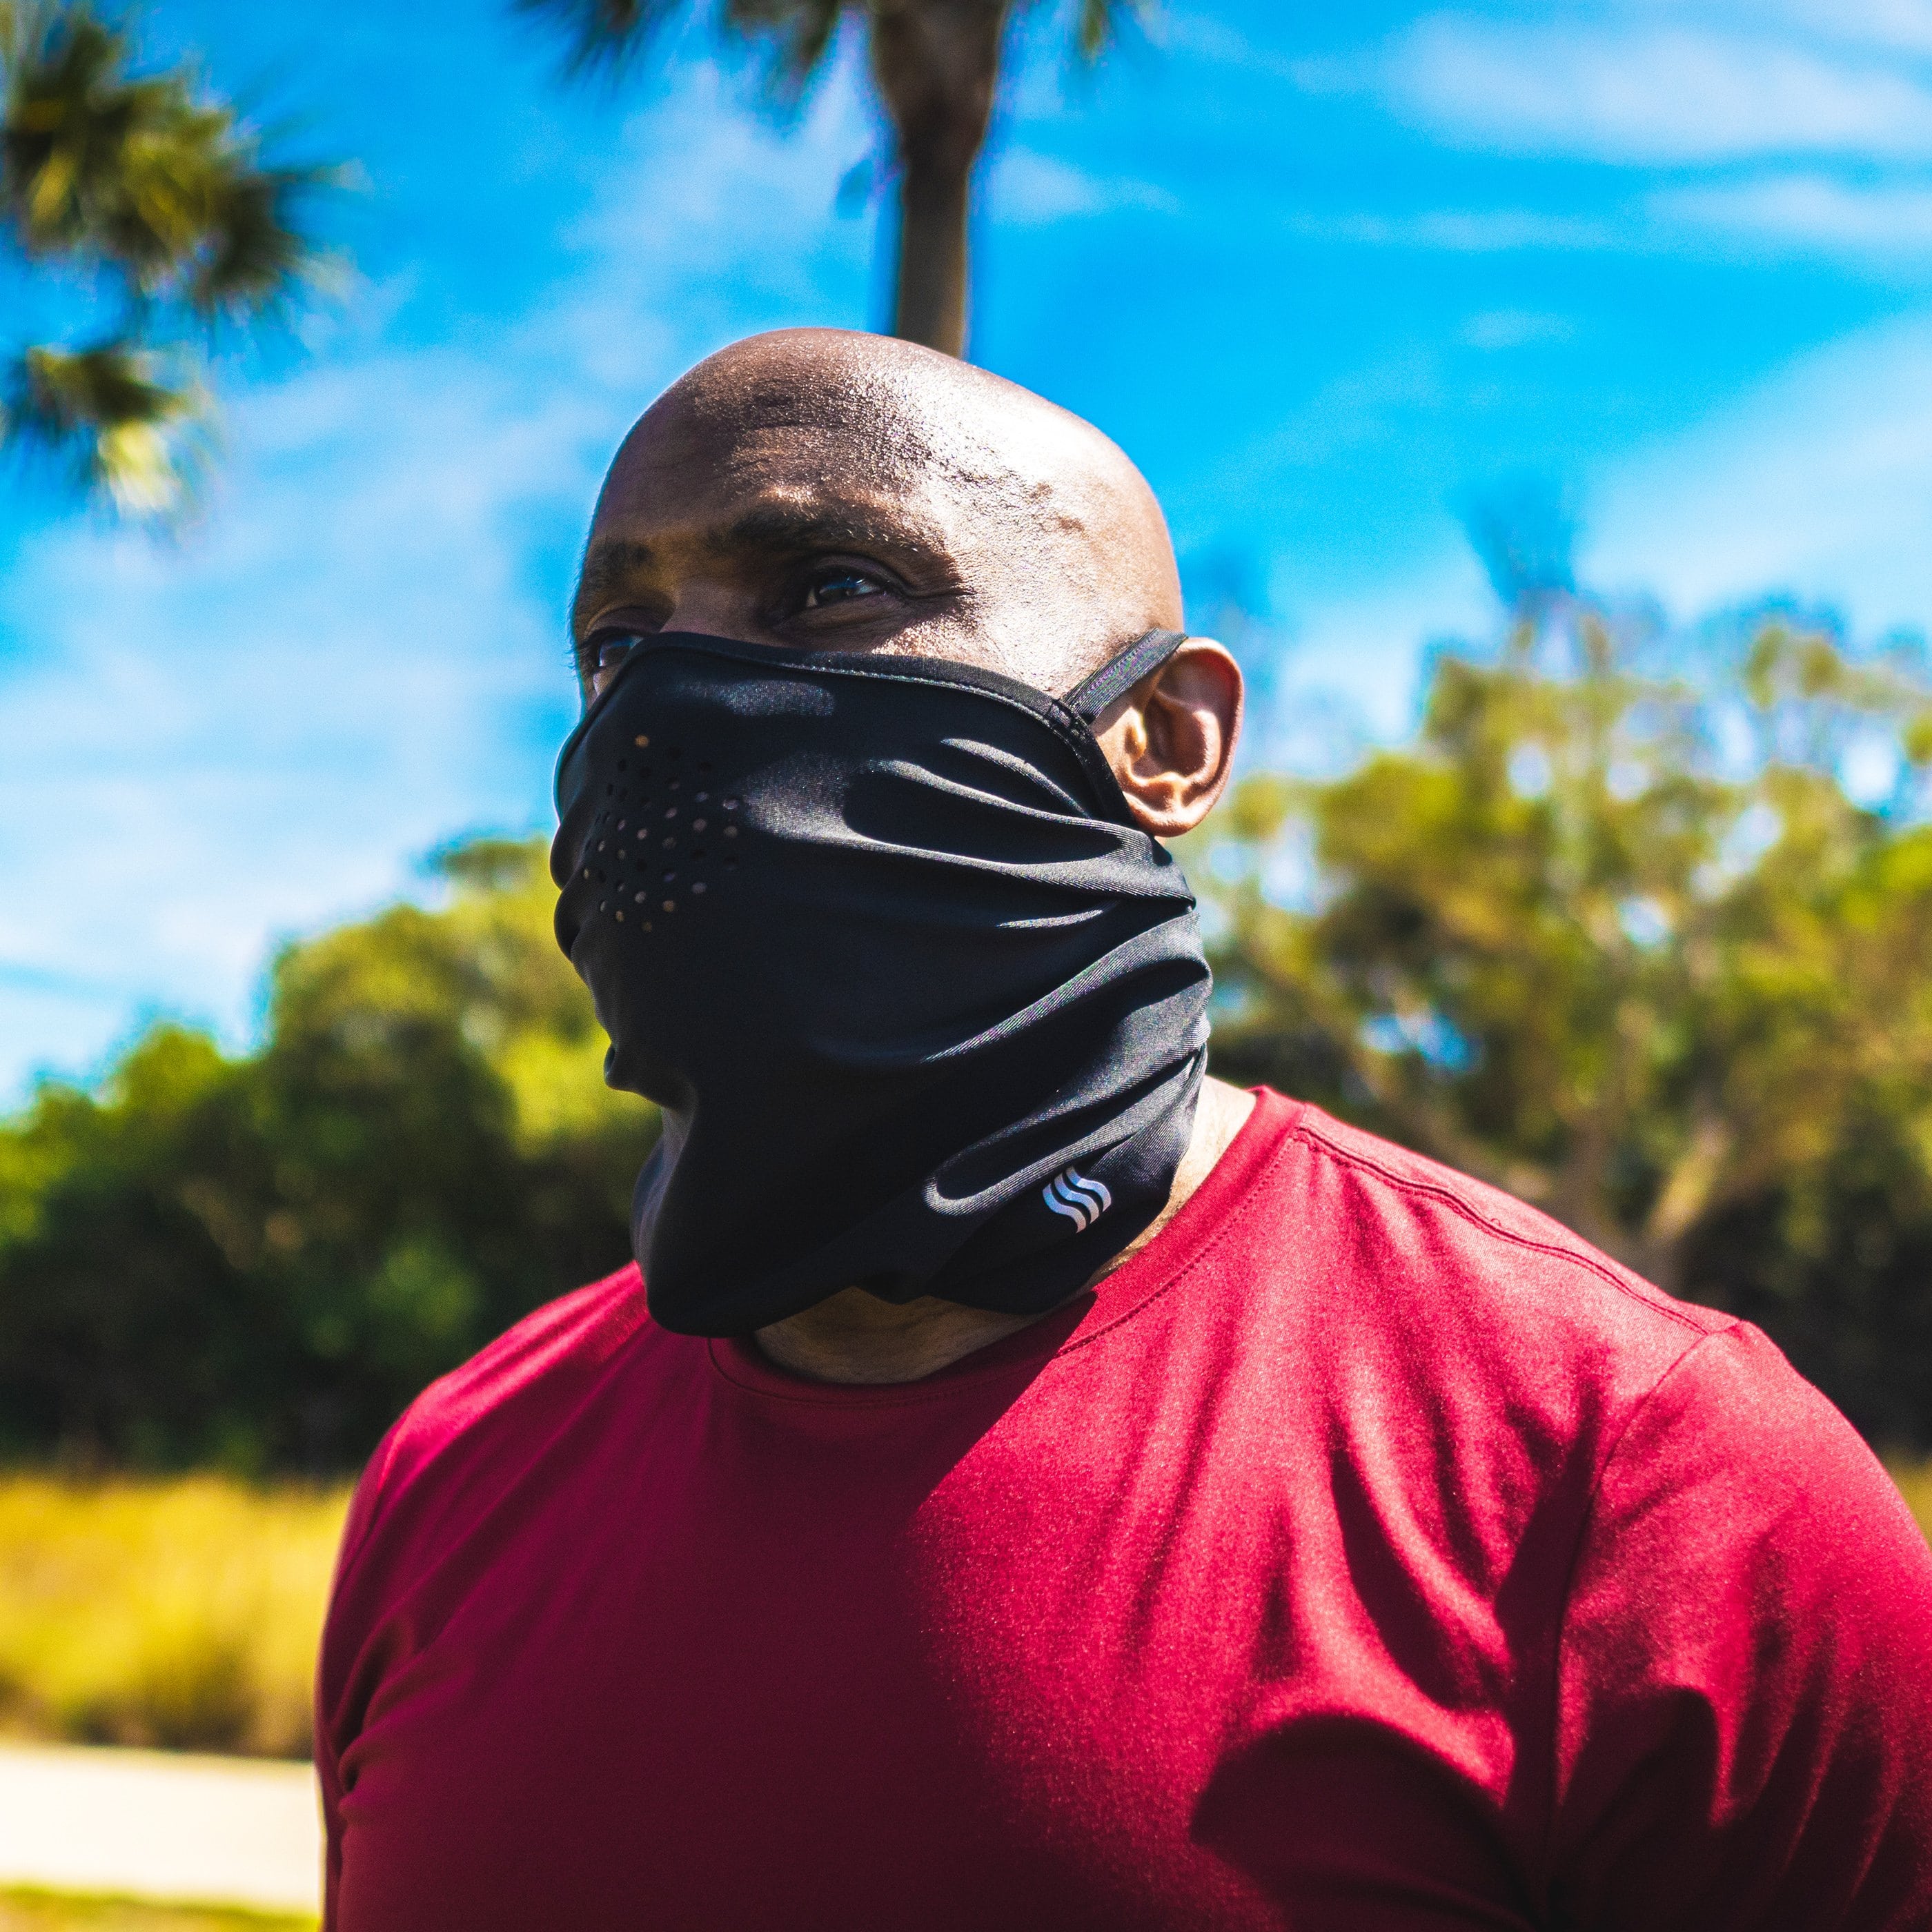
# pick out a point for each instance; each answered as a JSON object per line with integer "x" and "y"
{"x": 827, "y": 489}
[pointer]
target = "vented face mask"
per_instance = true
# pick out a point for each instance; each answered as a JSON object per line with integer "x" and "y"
{"x": 926, "y": 1011}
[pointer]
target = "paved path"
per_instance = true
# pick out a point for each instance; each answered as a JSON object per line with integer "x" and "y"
{"x": 154, "y": 1825}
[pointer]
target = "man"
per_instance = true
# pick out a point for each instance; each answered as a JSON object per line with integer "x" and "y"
{"x": 1038, "y": 1486}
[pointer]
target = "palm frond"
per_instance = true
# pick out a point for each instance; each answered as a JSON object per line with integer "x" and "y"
{"x": 1098, "y": 24}
{"x": 601, "y": 37}
{"x": 113, "y": 414}
{"x": 797, "y": 33}
{"x": 140, "y": 174}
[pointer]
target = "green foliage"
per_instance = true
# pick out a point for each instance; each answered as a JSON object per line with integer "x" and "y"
{"x": 144, "y": 181}
{"x": 257, "y": 1262}
{"x": 1622, "y": 942}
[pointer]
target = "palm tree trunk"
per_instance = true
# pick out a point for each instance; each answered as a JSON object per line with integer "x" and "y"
{"x": 937, "y": 63}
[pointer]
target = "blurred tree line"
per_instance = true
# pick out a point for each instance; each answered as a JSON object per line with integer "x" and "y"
{"x": 258, "y": 1261}
{"x": 1650, "y": 945}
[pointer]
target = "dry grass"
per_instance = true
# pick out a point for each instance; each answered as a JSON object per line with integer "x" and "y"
{"x": 51, "y": 1912}
{"x": 180, "y": 1614}
{"x": 1915, "y": 1483}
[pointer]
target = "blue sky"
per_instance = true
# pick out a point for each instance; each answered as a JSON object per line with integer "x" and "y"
{"x": 1329, "y": 275}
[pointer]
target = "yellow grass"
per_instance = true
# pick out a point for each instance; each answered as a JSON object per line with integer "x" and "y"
{"x": 1915, "y": 1483}
{"x": 50, "y": 1912}
{"x": 183, "y": 1614}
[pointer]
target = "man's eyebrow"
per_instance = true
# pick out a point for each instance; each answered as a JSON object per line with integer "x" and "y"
{"x": 612, "y": 563}
{"x": 609, "y": 563}
{"x": 845, "y": 526}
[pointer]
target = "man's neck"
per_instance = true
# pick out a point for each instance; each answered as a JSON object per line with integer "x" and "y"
{"x": 856, "y": 1337}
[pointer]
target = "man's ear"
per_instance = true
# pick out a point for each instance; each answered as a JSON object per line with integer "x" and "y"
{"x": 1170, "y": 740}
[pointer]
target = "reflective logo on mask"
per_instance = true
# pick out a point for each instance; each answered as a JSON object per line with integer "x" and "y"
{"x": 1081, "y": 1200}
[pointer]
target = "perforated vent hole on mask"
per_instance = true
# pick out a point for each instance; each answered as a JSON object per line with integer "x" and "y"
{"x": 656, "y": 805}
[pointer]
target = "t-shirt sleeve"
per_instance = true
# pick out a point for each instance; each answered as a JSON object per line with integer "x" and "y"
{"x": 363, "y": 1509}
{"x": 1744, "y": 1707}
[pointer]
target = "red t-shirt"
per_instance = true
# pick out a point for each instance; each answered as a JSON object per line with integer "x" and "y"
{"x": 1366, "y": 1553}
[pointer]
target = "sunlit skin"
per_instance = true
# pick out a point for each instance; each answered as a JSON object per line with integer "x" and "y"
{"x": 822, "y": 490}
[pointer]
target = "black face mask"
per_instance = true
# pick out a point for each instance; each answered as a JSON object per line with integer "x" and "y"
{"x": 926, "y": 1011}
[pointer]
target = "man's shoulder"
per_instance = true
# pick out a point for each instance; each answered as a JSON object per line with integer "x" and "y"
{"x": 509, "y": 1396}
{"x": 1437, "y": 1253}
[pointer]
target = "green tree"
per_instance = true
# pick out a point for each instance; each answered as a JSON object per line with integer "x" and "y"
{"x": 148, "y": 199}
{"x": 935, "y": 64}
{"x": 260, "y": 1261}
{"x": 1622, "y": 942}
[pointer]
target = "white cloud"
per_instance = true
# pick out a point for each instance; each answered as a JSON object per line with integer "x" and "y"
{"x": 1654, "y": 94}
{"x": 1035, "y": 189}
{"x": 1818, "y": 484}
{"x": 1807, "y": 214}
{"x": 1900, "y": 26}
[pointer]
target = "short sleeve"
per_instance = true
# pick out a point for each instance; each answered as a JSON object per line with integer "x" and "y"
{"x": 363, "y": 1509}
{"x": 1744, "y": 1701}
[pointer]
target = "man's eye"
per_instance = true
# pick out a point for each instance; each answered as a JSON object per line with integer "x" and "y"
{"x": 839, "y": 586}
{"x": 610, "y": 651}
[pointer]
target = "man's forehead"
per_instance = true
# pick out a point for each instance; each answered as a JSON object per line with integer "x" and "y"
{"x": 728, "y": 470}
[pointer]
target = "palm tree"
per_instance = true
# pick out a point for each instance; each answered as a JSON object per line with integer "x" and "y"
{"x": 144, "y": 206}
{"x": 936, "y": 65}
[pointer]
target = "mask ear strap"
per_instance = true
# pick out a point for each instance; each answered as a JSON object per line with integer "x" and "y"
{"x": 1122, "y": 672}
